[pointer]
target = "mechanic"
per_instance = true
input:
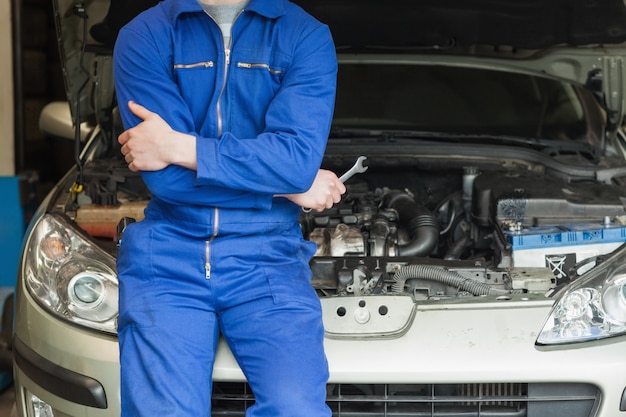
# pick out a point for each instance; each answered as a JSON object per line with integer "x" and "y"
{"x": 229, "y": 106}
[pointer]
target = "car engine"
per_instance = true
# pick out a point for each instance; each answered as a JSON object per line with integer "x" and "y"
{"x": 431, "y": 234}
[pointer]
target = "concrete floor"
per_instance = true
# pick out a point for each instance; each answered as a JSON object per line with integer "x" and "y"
{"x": 7, "y": 393}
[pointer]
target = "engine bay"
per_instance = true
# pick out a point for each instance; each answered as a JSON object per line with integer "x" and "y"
{"x": 430, "y": 233}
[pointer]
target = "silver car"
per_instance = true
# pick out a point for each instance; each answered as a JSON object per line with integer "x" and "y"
{"x": 476, "y": 268}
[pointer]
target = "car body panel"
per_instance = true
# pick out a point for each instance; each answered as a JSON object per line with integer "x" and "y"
{"x": 446, "y": 343}
{"x": 528, "y": 24}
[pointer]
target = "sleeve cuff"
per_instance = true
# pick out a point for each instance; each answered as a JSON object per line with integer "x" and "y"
{"x": 206, "y": 160}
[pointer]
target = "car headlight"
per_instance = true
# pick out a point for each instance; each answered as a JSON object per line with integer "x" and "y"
{"x": 70, "y": 276}
{"x": 592, "y": 308}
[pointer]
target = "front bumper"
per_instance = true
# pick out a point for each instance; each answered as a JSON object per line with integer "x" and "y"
{"x": 473, "y": 359}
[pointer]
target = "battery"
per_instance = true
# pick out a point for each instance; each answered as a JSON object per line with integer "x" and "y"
{"x": 561, "y": 248}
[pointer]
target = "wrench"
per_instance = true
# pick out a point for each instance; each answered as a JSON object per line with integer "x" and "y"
{"x": 359, "y": 167}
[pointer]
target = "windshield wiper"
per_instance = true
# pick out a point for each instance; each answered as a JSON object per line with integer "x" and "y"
{"x": 467, "y": 138}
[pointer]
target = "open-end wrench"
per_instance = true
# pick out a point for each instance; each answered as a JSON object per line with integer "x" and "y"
{"x": 359, "y": 167}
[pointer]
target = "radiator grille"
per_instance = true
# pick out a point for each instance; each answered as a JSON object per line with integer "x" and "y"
{"x": 435, "y": 400}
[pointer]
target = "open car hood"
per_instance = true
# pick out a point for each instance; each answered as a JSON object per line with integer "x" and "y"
{"x": 526, "y": 24}
{"x": 573, "y": 40}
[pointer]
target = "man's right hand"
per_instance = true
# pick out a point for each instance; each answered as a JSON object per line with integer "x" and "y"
{"x": 153, "y": 145}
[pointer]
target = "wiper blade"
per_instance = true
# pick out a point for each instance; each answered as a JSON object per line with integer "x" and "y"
{"x": 537, "y": 143}
{"x": 551, "y": 146}
{"x": 342, "y": 132}
{"x": 520, "y": 140}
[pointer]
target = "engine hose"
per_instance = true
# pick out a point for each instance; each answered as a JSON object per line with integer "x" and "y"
{"x": 439, "y": 274}
{"x": 457, "y": 248}
{"x": 420, "y": 222}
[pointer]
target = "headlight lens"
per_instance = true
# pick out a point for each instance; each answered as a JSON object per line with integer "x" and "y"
{"x": 594, "y": 307}
{"x": 614, "y": 300}
{"x": 70, "y": 276}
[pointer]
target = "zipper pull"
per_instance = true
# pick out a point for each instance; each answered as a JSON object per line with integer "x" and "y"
{"x": 227, "y": 53}
{"x": 207, "y": 260}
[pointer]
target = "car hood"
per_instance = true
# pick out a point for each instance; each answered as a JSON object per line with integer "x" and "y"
{"x": 527, "y": 24}
{"x": 577, "y": 41}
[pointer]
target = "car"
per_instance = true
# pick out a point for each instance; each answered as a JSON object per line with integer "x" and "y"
{"x": 476, "y": 267}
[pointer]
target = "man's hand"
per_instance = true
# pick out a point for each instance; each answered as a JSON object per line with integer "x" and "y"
{"x": 153, "y": 145}
{"x": 325, "y": 191}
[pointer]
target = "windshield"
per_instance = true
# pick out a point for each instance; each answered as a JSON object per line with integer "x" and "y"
{"x": 456, "y": 100}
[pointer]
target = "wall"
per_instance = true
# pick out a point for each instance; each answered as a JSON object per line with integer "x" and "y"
{"x": 7, "y": 138}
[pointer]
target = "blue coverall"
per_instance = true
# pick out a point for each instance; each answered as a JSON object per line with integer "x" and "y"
{"x": 217, "y": 252}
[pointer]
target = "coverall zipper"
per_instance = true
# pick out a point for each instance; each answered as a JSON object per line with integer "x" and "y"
{"x": 205, "y": 64}
{"x": 251, "y": 65}
{"x": 218, "y": 107}
{"x": 227, "y": 49}
{"x": 207, "y": 247}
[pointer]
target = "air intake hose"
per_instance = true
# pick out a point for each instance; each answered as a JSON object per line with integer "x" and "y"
{"x": 420, "y": 222}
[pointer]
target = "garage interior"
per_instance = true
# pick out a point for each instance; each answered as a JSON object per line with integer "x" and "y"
{"x": 38, "y": 81}
{"x": 29, "y": 162}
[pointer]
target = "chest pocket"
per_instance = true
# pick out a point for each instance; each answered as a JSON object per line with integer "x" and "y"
{"x": 259, "y": 69}
{"x": 255, "y": 80}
